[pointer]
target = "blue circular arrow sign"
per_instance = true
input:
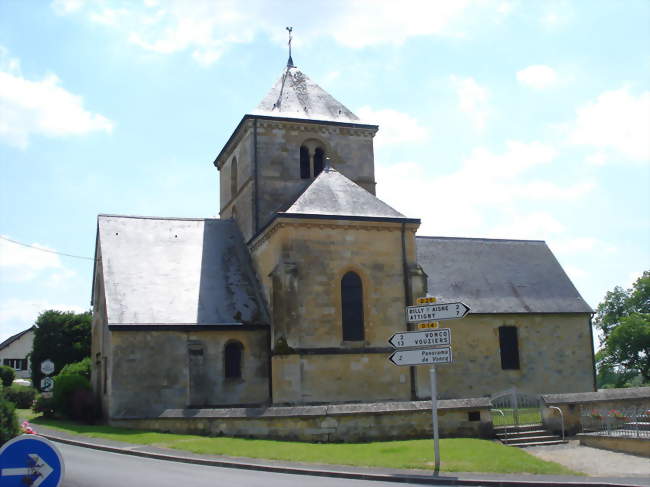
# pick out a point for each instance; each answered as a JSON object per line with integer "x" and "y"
{"x": 30, "y": 460}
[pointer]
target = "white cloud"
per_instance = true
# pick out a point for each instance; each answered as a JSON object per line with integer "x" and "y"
{"x": 206, "y": 28}
{"x": 63, "y": 7}
{"x": 21, "y": 263}
{"x": 596, "y": 159}
{"x": 538, "y": 76}
{"x": 484, "y": 196}
{"x": 394, "y": 127}
{"x": 472, "y": 99}
{"x": 616, "y": 120}
{"x": 19, "y": 314}
{"x": 40, "y": 107}
{"x": 580, "y": 245}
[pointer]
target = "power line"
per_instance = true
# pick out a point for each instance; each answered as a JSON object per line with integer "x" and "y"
{"x": 45, "y": 250}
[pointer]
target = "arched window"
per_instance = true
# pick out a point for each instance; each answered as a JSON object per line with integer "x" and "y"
{"x": 319, "y": 156}
{"x": 352, "y": 307}
{"x": 304, "y": 162}
{"x": 233, "y": 177}
{"x": 232, "y": 356}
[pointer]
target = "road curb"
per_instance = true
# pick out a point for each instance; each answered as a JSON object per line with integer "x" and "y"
{"x": 403, "y": 478}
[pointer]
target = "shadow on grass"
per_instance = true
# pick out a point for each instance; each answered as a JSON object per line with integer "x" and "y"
{"x": 79, "y": 428}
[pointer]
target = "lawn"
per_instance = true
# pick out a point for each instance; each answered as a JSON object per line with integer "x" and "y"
{"x": 457, "y": 454}
{"x": 526, "y": 416}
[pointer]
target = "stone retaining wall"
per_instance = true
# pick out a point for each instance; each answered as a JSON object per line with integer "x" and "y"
{"x": 636, "y": 446}
{"x": 327, "y": 423}
{"x": 602, "y": 400}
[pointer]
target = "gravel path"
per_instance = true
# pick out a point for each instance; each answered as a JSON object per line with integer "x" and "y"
{"x": 594, "y": 461}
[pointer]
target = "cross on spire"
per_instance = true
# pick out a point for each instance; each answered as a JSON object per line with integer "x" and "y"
{"x": 290, "y": 61}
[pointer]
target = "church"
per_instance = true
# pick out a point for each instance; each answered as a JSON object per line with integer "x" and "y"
{"x": 288, "y": 299}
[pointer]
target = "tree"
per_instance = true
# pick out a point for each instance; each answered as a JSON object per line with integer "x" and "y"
{"x": 623, "y": 318}
{"x": 62, "y": 337}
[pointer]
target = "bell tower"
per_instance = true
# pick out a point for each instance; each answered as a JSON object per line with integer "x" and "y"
{"x": 278, "y": 149}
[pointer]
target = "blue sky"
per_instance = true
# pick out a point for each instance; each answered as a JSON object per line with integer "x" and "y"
{"x": 506, "y": 119}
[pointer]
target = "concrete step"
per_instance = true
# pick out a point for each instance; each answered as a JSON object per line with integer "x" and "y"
{"x": 523, "y": 433}
{"x": 541, "y": 443}
{"x": 530, "y": 439}
{"x": 521, "y": 427}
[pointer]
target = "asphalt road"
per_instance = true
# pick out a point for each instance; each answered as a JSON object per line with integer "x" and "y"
{"x": 85, "y": 467}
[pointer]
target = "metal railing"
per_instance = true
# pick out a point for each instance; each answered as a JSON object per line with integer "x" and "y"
{"x": 555, "y": 408}
{"x": 505, "y": 426}
{"x": 631, "y": 422}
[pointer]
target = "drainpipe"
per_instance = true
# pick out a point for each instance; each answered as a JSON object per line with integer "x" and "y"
{"x": 593, "y": 352}
{"x": 408, "y": 299}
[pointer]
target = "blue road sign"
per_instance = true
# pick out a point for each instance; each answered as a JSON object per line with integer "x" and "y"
{"x": 30, "y": 460}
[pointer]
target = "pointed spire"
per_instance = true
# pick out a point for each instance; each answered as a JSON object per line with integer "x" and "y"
{"x": 290, "y": 60}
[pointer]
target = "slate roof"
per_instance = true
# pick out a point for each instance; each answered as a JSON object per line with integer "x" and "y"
{"x": 15, "y": 337}
{"x": 294, "y": 95}
{"x": 331, "y": 193}
{"x": 168, "y": 271}
{"x": 498, "y": 276}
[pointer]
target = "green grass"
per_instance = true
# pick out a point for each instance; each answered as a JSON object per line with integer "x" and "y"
{"x": 457, "y": 455}
{"x": 526, "y": 416}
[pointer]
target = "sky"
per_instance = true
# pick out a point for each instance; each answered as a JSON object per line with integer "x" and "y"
{"x": 500, "y": 119}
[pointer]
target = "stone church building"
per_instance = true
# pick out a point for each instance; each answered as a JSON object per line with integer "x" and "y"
{"x": 289, "y": 297}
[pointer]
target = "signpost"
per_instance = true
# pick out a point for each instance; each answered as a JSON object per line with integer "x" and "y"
{"x": 436, "y": 312}
{"x": 47, "y": 384}
{"x": 410, "y": 347}
{"x": 47, "y": 367}
{"x": 435, "y": 336}
{"x": 30, "y": 460}
{"x": 422, "y": 356}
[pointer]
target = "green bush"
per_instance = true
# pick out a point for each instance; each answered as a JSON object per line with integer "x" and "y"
{"x": 66, "y": 389}
{"x": 44, "y": 405}
{"x": 8, "y": 420}
{"x": 7, "y": 375}
{"x": 77, "y": 368}
{"x": 21, "y": 396}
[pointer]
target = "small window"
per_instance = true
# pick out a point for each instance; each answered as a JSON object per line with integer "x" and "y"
{"x": 474, "y": 415}
{"x": 233, "y": 178}
{"x": 509, "y": 346}
{"x": 304, "y": 162}
{"x": 352, "y": 307}
{"x": 233, "y": 355}
{"x": 16, "y": 363}
{"x": 319, "y": 156}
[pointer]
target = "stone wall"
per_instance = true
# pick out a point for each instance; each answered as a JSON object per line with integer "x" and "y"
{"x": 300, "y": 264}
{"x": 636, "y": 446}
{"x": 155, "y": 370}
{"x": 276, "y": 144}
{"x": 573, "y": 405}
{"x": 554, "y": 356}
{"x": 331, "y": 423}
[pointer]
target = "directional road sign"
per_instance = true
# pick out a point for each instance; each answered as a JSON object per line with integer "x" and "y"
{"x": 47, "y": 384}
{"x": 435, "y": 336}
{"x": 423, "y": 356}
{"x": 436, "y": 312}
{"x": 30, "y": 460}
{"x": 47, "y": 367}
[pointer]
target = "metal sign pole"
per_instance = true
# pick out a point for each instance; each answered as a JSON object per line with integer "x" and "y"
{"x": 434, "y": 416}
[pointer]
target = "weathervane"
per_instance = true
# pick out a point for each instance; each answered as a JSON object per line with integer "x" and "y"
{"x": 290, "y": 61}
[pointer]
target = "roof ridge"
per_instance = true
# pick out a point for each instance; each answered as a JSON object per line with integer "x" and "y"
{"x": 485, "y": 239}
{"x": 145, "y": 217}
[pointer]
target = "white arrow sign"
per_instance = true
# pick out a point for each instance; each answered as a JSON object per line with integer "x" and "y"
{"x": 425, "y": 356}
{"x": 434, "y": 336}
{"x": 436, "y": 312}
{"x": 38, "y": 472}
